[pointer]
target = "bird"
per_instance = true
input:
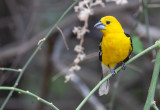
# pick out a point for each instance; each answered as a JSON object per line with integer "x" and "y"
{"x": 115, "y": 48}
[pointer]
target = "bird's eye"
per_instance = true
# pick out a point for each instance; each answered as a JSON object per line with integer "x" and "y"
{"x": 108, "y": 22}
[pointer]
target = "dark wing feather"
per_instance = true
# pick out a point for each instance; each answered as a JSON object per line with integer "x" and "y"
{"x": 100, "y": 51}
{"x": 130, "y": 51}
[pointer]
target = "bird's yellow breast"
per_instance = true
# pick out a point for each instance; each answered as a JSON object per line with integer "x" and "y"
{"x": 115, "y": 48}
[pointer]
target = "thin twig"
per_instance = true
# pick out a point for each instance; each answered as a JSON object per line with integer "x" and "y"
{"x": 109, "y": 75}
{"x": 153, "y": 104}
{"x": 35, "y": 52}
{"x": 30, "y": 94}
{"x": 65, "y": 42}
{"x": 91, "y": 56}
{"x": 152, "y": 88}
{"x": 11, "y": 69}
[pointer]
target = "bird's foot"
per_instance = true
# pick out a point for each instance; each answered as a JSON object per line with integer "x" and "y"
{"x": 123, "y": 66}
{"x": 112, "y": 71}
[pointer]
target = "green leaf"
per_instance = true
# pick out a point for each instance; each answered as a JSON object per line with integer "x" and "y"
{"x": 137, "y": 45}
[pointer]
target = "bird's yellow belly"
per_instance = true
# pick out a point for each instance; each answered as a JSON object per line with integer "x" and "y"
{"x": 115, "y": 50}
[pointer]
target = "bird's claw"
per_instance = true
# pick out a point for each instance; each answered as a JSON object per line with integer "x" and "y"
{"x": 113, "y": 72}
{"x": 123, "y": 66}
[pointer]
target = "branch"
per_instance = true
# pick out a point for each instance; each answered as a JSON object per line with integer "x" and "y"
{"x": 109, "y": 75}
{"x": 151, "y": 93}
{"x": 11, "y": 69}
{"x": 30, "y": 94}
{"x": 153, "y": 104}
{"x": 35, "y": 52}
{"x": 65, "y": 42}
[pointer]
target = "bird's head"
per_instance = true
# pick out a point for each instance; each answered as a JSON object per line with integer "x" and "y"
{"x": 109, "y": 24}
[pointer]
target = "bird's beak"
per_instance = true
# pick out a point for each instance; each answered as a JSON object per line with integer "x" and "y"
{"x": 99, "y": 25}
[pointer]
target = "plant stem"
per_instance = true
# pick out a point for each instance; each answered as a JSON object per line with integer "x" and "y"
{"x": 30, "y": 94}
{"x": 93, "y": 90}
{"x": 151, "y": 92}
{"x": 109, "y": 75}
{"x": 35, "y": 52}
{"x": 154, "y": 105}
{"x": 11, "y": 69}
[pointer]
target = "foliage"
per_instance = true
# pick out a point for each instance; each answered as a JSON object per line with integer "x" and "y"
{"x": 137, "y": 45}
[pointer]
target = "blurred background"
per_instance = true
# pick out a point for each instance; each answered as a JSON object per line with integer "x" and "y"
{"x": 24, "y": 22}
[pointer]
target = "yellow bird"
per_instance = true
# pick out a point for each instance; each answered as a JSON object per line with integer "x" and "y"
{"x": 115, "y": 47}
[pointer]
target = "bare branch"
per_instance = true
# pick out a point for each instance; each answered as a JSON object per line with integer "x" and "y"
{"x": 65, "y": 42}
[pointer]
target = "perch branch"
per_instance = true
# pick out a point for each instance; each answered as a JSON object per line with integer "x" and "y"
{"x": 151, "y": 92}
{"x": 30, "y": 94}
{"x": 153, "y": 104}
{"x": 109, "y": 75}
{"x": 11, "y": 69}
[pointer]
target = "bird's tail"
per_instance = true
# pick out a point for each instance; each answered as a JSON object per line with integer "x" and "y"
{"x": 104, "y": 88}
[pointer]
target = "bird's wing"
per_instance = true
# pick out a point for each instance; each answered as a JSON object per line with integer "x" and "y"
{"x": 130, "y": 51}
{"x": 100, "y": 51}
